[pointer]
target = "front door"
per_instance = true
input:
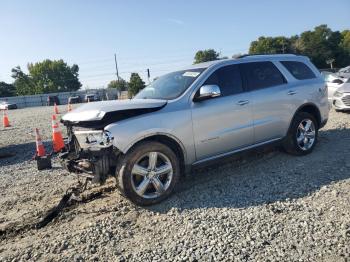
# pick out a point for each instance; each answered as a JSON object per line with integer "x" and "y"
{"x": 223, "y": 124}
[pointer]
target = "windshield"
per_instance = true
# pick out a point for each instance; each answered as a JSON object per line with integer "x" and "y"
{"x": 171, "y": 85}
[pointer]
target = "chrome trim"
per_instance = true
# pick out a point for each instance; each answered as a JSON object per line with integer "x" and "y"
{"x": 291, "y": 92}
{"x": 208, "y": 91}
{"x": 242, "y": 102}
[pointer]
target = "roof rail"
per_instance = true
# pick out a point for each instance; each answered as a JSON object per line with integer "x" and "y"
{"x": 246, "y": 55}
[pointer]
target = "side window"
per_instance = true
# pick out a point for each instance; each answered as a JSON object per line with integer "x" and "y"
{"x": 228, "y": 78}
{"x": 298, "y": 69}
{"x": 261, "y": 75}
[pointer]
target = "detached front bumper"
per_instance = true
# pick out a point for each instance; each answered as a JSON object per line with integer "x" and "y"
{"x": 89, "y": 156}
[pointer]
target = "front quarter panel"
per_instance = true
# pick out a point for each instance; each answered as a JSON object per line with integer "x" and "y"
{"x": 175, "y": 124}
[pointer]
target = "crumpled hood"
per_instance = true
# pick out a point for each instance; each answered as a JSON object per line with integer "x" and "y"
{"x": 112, "y": 110}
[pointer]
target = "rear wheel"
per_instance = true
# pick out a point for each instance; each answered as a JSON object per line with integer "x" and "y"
{"x": 148, "y": 173}
{"x": 302, "y": 135}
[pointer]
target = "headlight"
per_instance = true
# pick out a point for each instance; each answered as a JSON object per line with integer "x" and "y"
{"x": 338, "y": 94}
{"x": 94, "y": 138}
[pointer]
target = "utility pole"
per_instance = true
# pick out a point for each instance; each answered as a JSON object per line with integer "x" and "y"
{"x": 116, "y": 66}
{"x": 148, "y": 75}
{"x": 117, "y": 73}
{"x": 283, "y": 47}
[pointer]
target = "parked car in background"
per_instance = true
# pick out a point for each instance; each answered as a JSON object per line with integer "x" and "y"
{"x": 92, "y": 97}
{"x": 341, "y": 97}
{"x": 344, "y": 72}
{"x": 74, "y": 100}
{"x": 6, "y": 105}
{"x": 51, "y": 100}
{"x": 333, "y": 82}
{"x": 193, "y": 116}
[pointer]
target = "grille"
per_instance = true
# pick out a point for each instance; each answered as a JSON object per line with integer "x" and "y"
{"x": 346, "y": 100}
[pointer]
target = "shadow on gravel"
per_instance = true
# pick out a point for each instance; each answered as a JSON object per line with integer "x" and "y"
{"x": 15, "y": 154}
{"x": 264, "y": 176}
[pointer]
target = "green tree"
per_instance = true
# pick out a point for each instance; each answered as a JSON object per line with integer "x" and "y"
{"x": 205, "y": 56}
{"x": 271, "y": 45}
{"x": 135, "y": 84}
{"x": 321, "y": 45}
{"x": 7, "y": 89}
{"x": 46, "y": 77}
{"x": 238, "y": 55}
{"x": 345, "y": 42}
{"x": 23, "y": 83}
{"x": 345, "y": 47}
{"x": 120, "y": 85}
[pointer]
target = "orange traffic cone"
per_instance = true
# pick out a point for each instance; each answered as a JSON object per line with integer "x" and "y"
{"x": 55, "y": 109}
{"x": 5, "y": 119}
{"x": 57, "y": 139}
{"x": 40, "y": 149}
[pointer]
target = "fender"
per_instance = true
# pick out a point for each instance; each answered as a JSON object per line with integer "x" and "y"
{"x": 156, "y": 133}
{"x": 300, "y": 108}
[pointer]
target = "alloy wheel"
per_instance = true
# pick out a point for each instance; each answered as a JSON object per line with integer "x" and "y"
{"x": 151, "y": 175}
{"x": 306, "y": 134}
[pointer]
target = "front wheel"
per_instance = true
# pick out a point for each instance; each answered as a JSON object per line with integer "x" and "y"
{"x": 302, "y": 135}
{"x": 148, "y": 173}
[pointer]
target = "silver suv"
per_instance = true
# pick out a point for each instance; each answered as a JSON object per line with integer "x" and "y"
{"x": 198, "y": 114}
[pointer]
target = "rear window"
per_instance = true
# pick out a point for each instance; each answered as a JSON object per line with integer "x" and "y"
{"x": 298, "y": 69}
{"x": 261, "y": 75}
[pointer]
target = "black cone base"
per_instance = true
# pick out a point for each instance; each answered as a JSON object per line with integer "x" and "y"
{"x": 43, "y": 162}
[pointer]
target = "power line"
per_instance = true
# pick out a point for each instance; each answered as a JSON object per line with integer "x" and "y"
{"x": 162, "y": 62}
{"x": 157, "y": 65}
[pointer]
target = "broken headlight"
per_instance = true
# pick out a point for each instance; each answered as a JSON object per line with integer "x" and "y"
{"x": 94, "y": 138}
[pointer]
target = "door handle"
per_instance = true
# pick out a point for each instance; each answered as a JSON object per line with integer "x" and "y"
{"x": 291, "y": 92}
{"x": 242, "y": 102}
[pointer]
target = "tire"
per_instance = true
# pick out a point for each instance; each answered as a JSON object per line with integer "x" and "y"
{"x": 134, "y": 186}
{"x": 291, "y": 144}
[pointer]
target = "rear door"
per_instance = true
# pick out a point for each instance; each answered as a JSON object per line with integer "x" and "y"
{"x": 224, "y": 123}
{"x": 271, "y": 103}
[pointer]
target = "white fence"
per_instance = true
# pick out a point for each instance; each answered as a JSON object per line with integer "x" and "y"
{"x": 41, "y": 100}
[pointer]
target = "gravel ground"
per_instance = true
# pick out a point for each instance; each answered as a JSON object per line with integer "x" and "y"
{"x": 261, "y": 206}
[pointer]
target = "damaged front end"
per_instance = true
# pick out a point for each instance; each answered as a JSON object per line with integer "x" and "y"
{"x": 89, "y": 149}
{"x": 89, "y": 153}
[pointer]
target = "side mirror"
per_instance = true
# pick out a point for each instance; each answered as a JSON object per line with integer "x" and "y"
{"x": 207, "y": 91}
{"x": 338, "y": 81}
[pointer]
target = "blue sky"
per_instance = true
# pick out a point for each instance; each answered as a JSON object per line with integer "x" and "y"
{"x": 160, "y": 35}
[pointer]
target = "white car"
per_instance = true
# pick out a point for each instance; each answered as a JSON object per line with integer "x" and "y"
{"x": 344, "y": 72}
{"x": 341, "y": 97}
{"x": 333, "y": 82}
{"x": 6, "y": 105}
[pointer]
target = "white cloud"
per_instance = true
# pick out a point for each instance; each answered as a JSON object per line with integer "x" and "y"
{"x": 176, "y": 21}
